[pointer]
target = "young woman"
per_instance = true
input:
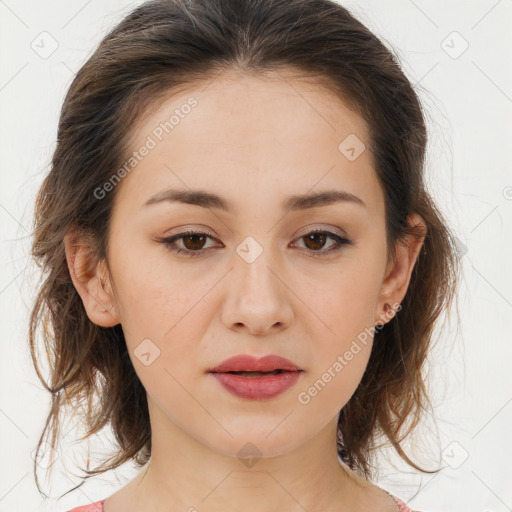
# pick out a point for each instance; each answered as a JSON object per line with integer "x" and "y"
{"x": 243, "y": 265}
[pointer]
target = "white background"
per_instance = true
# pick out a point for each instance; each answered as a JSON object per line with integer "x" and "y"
{"x": 469, "y": 105}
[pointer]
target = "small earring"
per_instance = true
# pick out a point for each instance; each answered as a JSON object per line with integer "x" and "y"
{"x": 387, "y": 307}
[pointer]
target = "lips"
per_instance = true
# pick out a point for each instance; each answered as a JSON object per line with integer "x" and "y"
{"x": 250, "y": 378}
{"x": 247, "y": 364}
{"x": 252, "y": 375}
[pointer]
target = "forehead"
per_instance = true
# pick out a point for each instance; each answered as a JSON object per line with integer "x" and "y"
{"x": 273, "y": 136}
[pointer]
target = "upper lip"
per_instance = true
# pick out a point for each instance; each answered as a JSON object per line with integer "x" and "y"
{"x": 248, "y": 363}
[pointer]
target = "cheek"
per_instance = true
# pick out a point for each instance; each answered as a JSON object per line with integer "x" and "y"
{"x": 341, "y": 303}
{"x": 361, "y": 287}
{"x": 164, "y": 313}
{"x": 152, "y": 294}
{"x": 341, "y": 331}
{"x": 335, "y": 376}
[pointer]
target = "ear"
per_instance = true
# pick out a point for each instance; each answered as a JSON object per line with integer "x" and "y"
{"x": 398, "y": 271}
{"x": 91, "y": 279}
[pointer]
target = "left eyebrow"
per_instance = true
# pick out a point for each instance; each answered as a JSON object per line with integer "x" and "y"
{"x": 294, "y": 203}
{"x": 316, "y": 199}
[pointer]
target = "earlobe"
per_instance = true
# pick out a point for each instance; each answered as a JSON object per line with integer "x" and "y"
{"x": 91, "y": 279}
{"x": 399, "y": 271}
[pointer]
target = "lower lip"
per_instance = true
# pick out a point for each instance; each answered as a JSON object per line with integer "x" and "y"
{"x": 257, "y": 388}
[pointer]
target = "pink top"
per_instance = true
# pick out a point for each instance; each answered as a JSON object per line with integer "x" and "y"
{"x": 98, "y": 506}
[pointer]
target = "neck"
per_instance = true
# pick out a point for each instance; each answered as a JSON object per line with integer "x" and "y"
{"x": 184, "y": 474}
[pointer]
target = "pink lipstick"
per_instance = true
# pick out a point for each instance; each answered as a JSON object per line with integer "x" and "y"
{"x": 256, "y": 379}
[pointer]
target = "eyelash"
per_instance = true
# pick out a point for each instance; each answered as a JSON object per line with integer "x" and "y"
{"x": 169, "y": 242}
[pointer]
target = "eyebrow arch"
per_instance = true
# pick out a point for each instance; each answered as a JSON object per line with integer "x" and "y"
{"x": 293, "y": 203}
{"x": 316, "y": 199}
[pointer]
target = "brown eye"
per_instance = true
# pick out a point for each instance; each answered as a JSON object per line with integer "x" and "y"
{"x": 194, "y": 242}
{"x": 315, "y": 241}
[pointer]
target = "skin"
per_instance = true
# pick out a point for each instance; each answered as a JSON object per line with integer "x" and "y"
{"x": 255, "y": 142}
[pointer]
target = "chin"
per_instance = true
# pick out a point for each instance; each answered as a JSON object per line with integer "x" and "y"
{"x": 251, "y": 446}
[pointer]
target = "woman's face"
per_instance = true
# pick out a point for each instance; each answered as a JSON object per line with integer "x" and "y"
{"x": 255, "y": 283}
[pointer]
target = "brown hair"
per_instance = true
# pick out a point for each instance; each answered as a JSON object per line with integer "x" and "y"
{"x": 166, "y": 45}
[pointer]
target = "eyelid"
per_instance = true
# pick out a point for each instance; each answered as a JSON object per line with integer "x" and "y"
{"x": 322, "y": 228}
{"x": 341, "y": 240}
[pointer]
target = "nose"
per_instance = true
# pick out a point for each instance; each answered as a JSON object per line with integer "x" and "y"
{"x": 258, "y": 297}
